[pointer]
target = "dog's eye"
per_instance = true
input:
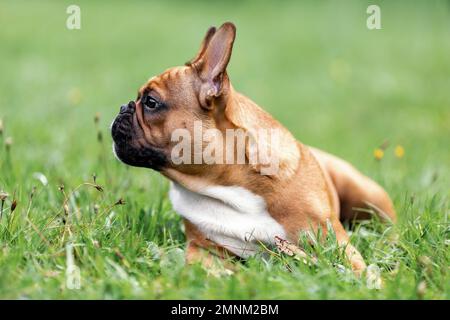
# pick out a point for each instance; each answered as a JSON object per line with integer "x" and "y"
{"x": 150, "y": 103}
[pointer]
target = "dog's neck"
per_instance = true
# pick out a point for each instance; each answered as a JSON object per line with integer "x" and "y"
{"x": 240, "y": 112}
{"x": 245, "y": 114}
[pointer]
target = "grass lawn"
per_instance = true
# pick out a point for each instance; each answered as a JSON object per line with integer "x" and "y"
{"x": 315, "y": 66}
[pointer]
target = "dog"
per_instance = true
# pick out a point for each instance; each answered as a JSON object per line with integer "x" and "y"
{"x": 231, "y": 208}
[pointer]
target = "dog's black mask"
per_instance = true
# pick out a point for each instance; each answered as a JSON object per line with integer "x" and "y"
{"x": 125, "y": 131}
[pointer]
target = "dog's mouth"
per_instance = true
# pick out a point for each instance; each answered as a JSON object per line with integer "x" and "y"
{"x": 128, "y": 150}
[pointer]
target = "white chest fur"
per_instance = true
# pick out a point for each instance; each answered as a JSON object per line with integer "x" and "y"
{"x": 232, "y": 217}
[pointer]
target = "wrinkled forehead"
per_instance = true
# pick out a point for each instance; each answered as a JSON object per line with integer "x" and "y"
{"x": 172, "y": 77}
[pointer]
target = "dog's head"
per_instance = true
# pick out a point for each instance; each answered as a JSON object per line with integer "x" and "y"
{"x": 142, "y": 131}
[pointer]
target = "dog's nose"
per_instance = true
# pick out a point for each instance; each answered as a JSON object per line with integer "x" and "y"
{"x": 130, "y": 107}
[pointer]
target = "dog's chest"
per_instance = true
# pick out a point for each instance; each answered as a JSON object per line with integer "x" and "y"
{"x": 232, "y": 217}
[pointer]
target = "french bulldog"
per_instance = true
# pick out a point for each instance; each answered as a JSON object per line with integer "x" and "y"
{"x": 230, "y": 208}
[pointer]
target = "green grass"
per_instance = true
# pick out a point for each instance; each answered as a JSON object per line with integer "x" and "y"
{"x": 314, "y": 66}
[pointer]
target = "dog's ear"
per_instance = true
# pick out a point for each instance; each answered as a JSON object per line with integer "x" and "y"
{"x": 203, "y": 46}
{"x": 212, "y": 63}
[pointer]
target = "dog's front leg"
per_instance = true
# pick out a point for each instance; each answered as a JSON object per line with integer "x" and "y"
{"x": 353, "y": 255}
{"x": 201, "y": 250}
{"x": 196, "y": 254}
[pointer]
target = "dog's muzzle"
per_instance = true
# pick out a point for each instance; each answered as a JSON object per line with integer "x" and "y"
{"x": 126, "y": 149}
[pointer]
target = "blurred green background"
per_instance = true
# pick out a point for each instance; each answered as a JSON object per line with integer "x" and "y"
{"x": 313, "y": 65}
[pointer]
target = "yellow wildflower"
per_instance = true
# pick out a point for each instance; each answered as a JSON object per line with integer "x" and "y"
{"x": 378, "y": 153}
{"x": 399, "y": 151}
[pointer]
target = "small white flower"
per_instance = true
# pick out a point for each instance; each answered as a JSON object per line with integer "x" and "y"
{"x": 41, "y": 177}
{"x": 373, "y": 277}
